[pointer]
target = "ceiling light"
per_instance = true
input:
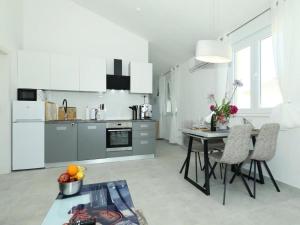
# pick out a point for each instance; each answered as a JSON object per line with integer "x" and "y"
{"x": 138, "y": 9}
{"x": 213, "y": 51}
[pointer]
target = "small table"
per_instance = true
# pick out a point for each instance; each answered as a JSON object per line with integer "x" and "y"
{"x": 205, "y": 136}
{"x": 110, "y": 203}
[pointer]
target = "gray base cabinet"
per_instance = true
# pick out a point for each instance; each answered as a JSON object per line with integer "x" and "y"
{"x": 91, "y": 141}
{"x": 60, "y": 142}
{"x": 143, "y": 138}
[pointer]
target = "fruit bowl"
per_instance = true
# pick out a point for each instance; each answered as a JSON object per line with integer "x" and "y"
{"x": 70, "y": 188}
{"x": 70, "y": 182}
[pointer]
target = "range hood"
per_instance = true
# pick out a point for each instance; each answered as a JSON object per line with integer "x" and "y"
{"x": 117, "y": 81}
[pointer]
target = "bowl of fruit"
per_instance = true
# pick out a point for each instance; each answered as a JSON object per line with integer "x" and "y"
{"x": 70, "y": 182}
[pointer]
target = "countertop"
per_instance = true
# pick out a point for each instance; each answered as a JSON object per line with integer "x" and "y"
{"x": 95, "y": 121}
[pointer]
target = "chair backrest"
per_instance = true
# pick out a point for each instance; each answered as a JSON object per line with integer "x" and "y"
{"x": 266, "y": 142}
{"x": 237, "y": 144}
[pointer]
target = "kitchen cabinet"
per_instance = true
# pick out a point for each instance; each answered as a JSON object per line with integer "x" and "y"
{"x": 92, "y": 74}
{"x": 91, "y": 141}
{"x": 33, "y": 70}
{"x": 64, "y": 72}
{"x": 143, "y": 138}
{"x": 141, "y": 77}
{"x": 60, "y": 142}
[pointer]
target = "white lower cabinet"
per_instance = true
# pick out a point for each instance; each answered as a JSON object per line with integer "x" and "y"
{"x": 92, "y": 75}
{"x": 64, "y": 72}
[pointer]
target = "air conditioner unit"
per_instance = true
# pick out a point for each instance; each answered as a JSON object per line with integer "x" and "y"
{"x": 195, "y": 64}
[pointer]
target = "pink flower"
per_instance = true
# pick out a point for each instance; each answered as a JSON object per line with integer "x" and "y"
{"x": 233, "y": 109}
{"x": 212, "y": 107}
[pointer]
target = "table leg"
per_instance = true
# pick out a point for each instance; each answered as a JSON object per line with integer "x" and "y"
{"x": 188, "y": 158}
{"x": 206, "y": 167}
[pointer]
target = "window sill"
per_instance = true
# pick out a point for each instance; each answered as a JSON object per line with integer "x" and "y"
{"x": 254, "y": 114}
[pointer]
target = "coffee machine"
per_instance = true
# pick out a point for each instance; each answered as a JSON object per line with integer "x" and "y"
{"x": 145, "y": 111}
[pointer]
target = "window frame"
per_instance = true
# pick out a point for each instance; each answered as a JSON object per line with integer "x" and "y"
{"x": 254, "y": 42}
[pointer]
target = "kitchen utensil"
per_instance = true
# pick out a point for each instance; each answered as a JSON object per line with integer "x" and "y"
{"x": 70, "y": 188}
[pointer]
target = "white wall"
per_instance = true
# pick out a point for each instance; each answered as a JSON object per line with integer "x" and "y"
{"x": 10, "y": 41}
{"x": 62, "y": 26}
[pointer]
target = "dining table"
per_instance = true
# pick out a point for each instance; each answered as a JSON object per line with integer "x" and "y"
{"x": 206, "y": 136}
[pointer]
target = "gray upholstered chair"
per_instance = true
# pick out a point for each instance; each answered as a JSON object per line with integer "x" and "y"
{"x": 235, "y": 152}
{"x": 264, "y": 150}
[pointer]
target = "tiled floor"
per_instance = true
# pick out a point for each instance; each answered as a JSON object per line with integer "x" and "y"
{"x": 159, "y": 190}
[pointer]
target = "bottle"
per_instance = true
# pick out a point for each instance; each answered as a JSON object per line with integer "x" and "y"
{"x": 87, "y": 113}
{"x": 213, "y": 122}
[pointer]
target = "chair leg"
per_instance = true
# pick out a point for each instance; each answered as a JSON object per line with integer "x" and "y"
{"x": 225, "y": 175}
{"x": 221, "y": 170}
{"x": 212, "y": 169}
{"x": 250, "y": 170}
{"x": 237, "y": 169}
{"x": 254, "y": 182}
{"x": 183, "y": 165}
{"x": 196, "y": 165}
{"x": 202, "y": 168}
{"x": 271, "y": 176}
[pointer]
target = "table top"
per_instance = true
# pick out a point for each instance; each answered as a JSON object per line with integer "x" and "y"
{"x": 206, "y": 133}
{"x": 110, "y": 203}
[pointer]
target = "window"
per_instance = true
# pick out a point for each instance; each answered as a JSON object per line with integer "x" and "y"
{"x": 253, "y": 64}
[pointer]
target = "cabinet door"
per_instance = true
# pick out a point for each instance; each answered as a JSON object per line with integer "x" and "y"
{"x": 64, "y": 72}
{"x": 141, "y": 78}
{"x": 91, "y": 141}
{"x": 60, "y": 142}
{"x": 143, "y": 146}
{"x": 33, "y": 70}
{"x": 92, "y": 74}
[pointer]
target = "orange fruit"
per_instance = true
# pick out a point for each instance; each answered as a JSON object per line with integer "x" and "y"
{"x": 72, "y": 170}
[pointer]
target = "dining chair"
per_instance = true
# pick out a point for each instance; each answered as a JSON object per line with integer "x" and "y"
{"x": 235, "y": 152}
{"x": 264, "y": 150}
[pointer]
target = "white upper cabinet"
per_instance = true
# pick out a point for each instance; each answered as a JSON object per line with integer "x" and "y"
{"x": 33, "y": 70}
{"x": 92, "y": 74}
{"x": 141, "y": 77}
{"x": 64, "y": 72}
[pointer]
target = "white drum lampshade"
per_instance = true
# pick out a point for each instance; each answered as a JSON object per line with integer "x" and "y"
{"x": 213, "y": 51}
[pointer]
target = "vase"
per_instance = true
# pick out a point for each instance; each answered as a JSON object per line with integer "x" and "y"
{"x": 223, "y": 125}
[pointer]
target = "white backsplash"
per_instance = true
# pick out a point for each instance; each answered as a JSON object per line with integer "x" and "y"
{"x": 116, "y": 102}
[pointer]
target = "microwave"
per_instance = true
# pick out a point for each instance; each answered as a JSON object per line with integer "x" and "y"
{"x": 27, "y": 94}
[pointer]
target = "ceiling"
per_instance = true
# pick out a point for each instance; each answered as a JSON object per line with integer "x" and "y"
{"x": 174, "y": 26}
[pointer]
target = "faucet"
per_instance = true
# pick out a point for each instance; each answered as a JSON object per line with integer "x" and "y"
{"x": 65, "y": 105}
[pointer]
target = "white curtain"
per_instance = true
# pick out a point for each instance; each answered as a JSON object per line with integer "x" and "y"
{"x": 162, "y": 107}
{"x": 286, "y": 44}
{"x": 174, "y": 134}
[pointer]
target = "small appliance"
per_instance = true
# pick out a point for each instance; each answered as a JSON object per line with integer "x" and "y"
{"x": 119, "y": 136}
{"x": 28, "y": 135}
{"x": 134, "y": 109}
{"x": 24, "y": 94}
{"x": 145, "y": 111}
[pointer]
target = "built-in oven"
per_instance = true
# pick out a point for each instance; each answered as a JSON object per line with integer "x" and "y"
{"x": 119, "y": 136}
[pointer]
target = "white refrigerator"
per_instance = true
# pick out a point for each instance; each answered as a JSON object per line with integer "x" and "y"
{"x": 28, "y": 151}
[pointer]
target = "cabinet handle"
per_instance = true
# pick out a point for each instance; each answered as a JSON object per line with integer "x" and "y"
{"x": 92, "y": 128}
{"x": 144, "y": 134}
{"x": 144, "y": 125}
{"x": 144, "y": 142}
{"x": 61, "y": 128}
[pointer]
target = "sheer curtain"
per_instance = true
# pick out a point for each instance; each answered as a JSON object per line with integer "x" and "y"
{"x": 286, "y": 44}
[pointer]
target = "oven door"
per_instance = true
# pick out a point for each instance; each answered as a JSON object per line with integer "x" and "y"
{"x": 118, "y": 139}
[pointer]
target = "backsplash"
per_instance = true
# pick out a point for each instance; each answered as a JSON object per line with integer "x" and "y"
{"x": 116, "y": 102}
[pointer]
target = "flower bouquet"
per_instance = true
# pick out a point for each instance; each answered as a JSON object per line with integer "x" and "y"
{"x": 222, "y": 112}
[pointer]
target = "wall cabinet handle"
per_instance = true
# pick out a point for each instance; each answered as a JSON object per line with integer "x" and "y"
{"x": 61, "y": 128}
{"x": 144, "y": 142}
